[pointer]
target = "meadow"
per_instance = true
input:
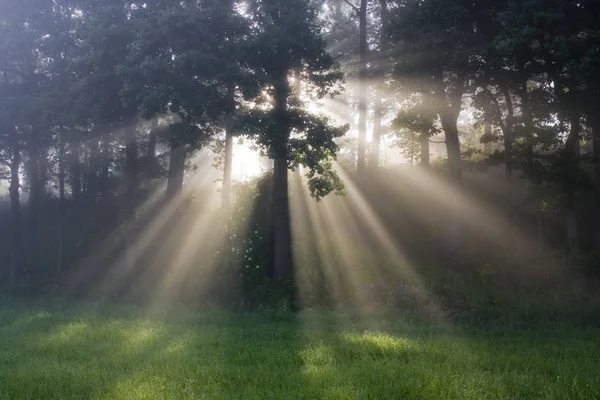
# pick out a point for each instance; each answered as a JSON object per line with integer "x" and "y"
{"x": 57, "y": 350}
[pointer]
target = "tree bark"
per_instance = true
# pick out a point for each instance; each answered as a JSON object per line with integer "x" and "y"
{"x": 424, "y": 142}
{"x": 508, "y": 135}
{"x": 281, "y": 220}
{"x": 596, "y": 149}
{"x": 595, "y": 122}
{"x": 377, "y": 125}
{"x": 280, "y": 211}
{"x": 152, "y": 139}
{"x": 377, "y": 132}
{"x": 93, "y": 185}
{"x": 176, "y": 171}
{"x": 131, "y": 163}
{"x": 228, "y": 162}
{"x": 572, "y": 153}
{"x": 362, "y": 91}
{"x": 450, "y": 105}
{"x": 35, "y": 196}
{"x": 15, "y": 211}
{"x": 528, "y": 123}
{"x": 105, "y": 165}
{"x": 75, "y": 171}
{"x": 487, "y": 144}
{"x": 61, "y": 206}
{"x": 450, "y": 125}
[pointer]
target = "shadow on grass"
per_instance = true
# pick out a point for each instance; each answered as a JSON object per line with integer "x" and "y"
{"x": 119, "y": 353}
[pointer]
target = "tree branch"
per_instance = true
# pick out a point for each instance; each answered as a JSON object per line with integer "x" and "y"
{"x": 352, "y": 5}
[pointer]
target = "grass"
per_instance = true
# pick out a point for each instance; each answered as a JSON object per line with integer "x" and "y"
{"x": 97, "y": 351}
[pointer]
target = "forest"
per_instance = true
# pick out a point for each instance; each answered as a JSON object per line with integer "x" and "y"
{"x": 328, "y": 193}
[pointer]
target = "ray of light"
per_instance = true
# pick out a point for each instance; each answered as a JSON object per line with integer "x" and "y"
{"x": 354, "y": 247}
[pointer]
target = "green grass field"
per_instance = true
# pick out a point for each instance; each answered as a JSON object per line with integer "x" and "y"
{"x": 117, "y": 352}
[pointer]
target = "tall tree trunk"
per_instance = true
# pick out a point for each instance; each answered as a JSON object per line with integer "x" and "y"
{"x": 424, "y": 144}
{"x": 61, "y": 206}
{"x": 572, "y": 154}
{"x": 15, "y": 210}
{"x": 281, "y": 220}
{"x": 508, "y": 156}
{"x": 449, "y": 111}
{"x": 377, "y": 132}
{"x": 596, "y": 148}
{"x": 176, "y": 170}
{"x": 132, "y": 181}
{"x": 75, "y": 171}
{"x": 450, "y": 105}
{"x": 528, "y": 122}
{"x": 508, "y": 135}
{"x": 280, "y": 211}
{"x": 35, "y": 196}
{"x": 377, "y": 125}
{"x": 450, "y": 125}
{"x": 93, "y": 186}
{"x": 131, "y": 163}
{"x": 105, "y": 164}
{"x": 595, "y": 122}
{"x": 487, "y": 143}
{"x": 228, "y": 162}
{"x": 362, "y": 91}
{"x": 152, "y": 139}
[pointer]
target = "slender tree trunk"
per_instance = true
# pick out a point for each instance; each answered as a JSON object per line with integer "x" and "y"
{"x": 281, "y": 220}
{"x": 152, "y": 139}
{"x": 93, "y": 186}
{"x": 572, "y": 153}
{"x": 131, "y": 163}
{"x": 487, "y": 134}
{"x": 228, "y": 164}
{"x": 595, "y": 122}
{"x": 15, "y": 211}
{"x": 377, "y": 125}
{"x": 105, "y": 164}
{"x": 227, "y": 168}
{"x": 61, "y": 206}
{"x": 508, "y": 135}
{"x": 450, "y": 125}
{"x": 424, "y": 144}
{"x": 528, "y": 122}
{"x": 450, "y": 105}
{"x": 132, "y": 178}
{"x": 75, "y": 171}
{"x": 508, "y": 150}
{"x": 35, "y": 197}
{"x": 363, "y": 88}
{"x": 377, "y": 132}
{"x": 176, "y": 171}
{"x": 281, "y": 215}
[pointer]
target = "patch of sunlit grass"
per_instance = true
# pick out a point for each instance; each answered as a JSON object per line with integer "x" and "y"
{"x": 120, "y": 353}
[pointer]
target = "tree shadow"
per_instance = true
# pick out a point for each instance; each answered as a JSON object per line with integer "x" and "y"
{"x": 119, "y": 352}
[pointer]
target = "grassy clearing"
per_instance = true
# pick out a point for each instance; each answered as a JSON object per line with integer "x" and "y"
{"x": 104, "y": 352}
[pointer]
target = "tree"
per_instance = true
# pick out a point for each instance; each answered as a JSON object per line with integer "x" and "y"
{"x": 287, "y": 39}
{"x": 435, "y": 41}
